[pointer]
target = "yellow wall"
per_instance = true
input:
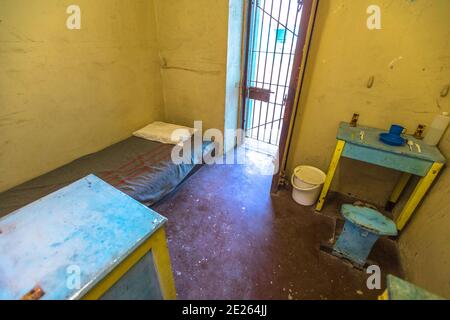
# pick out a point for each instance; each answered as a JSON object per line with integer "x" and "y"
{"x": 66, "y": 93}
{"x": 410, "y": 61}
{"x": 425, "y": 243}
{"x": 192, "y": 38}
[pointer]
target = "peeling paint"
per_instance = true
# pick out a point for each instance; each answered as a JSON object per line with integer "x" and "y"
{"x": 393, "y": 62}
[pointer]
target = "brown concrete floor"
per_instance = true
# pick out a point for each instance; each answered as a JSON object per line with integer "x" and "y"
{"x": 230, "y": 239}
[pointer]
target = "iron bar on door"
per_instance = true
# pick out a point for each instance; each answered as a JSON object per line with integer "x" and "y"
{"x": 274, "y": 29}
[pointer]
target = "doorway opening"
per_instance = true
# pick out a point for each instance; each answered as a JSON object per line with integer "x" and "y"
{"x": 273, "y": 31}
{"x": 277, "y": 44}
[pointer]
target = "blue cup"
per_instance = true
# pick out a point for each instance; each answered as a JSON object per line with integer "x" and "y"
{"x": 396, "y": 129}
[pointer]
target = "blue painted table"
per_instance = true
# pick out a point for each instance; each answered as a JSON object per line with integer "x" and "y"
{"x": 85, "y": 241}
{"x": 370, "y": 149}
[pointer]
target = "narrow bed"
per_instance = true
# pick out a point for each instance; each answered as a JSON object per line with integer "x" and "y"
{"x": 141, "y": 168}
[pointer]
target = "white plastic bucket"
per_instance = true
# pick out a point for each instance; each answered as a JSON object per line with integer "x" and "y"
{"x": 307, "y": 183}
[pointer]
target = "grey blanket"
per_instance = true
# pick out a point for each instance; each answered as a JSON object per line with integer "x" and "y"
{"x": 141, "y": 168}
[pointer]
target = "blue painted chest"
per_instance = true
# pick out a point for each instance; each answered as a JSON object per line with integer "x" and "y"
{"x": 70, "y": 242}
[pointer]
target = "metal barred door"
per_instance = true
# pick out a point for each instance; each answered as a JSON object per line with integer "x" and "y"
{"x": 274, "y": 30}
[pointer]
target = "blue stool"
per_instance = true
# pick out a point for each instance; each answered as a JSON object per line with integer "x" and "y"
{"x": 363, "y": 227}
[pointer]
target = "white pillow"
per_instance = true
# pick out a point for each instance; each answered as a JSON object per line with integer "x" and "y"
{"x": 165, "y": 133}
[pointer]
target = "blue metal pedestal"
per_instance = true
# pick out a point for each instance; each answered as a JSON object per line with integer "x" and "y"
{"x": 362, "y": 229}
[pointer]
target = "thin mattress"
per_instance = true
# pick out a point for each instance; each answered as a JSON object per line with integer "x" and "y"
{"x": 141, "y": 168}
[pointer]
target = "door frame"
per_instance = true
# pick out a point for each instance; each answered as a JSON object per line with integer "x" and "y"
{"x": 247, "y": 31}
{"x": 295, "y": 87}
{"x": 302, "y": 48}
